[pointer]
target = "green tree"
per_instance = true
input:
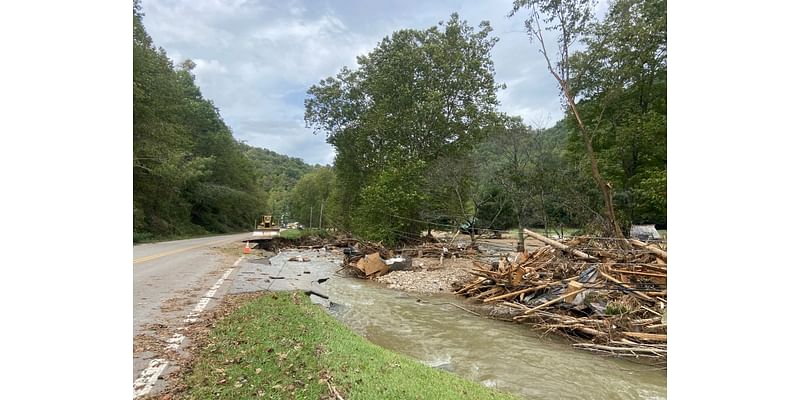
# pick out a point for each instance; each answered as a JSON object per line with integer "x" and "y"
{"x": 163, "y": 163}
{"x": 190, "y": 174}
{"x": 418, "y": 96}
{"x": 310, "y": 195}
{"x": 570, "y": 19}
{"x": 624, "y": 89}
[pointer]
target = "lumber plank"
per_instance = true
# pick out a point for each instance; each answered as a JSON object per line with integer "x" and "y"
{"x": 558, "y": 245}
{"x": 650, "y": 337}
{"x": 640, "y": 294}
{"x": 557, "y": 299}
{"x": 658, "y": 252}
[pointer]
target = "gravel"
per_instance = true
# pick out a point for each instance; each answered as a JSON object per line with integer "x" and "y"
{"x": 434, "y": 280}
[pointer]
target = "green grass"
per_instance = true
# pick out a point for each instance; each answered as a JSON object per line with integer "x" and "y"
{"x": 291, "y": 234}
{"x": 281, "y": 346}
{"x": 294, "y": 234}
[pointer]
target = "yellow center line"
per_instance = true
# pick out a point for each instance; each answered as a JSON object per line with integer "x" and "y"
{"x": 169, "y": 253}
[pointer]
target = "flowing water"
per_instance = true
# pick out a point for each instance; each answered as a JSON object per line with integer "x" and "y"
{"x": 510, "y": 357}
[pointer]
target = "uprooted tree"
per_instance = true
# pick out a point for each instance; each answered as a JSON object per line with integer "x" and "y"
{"x": 419, "y": 96}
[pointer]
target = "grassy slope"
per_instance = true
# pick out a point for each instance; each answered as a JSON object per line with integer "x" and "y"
{"x": 282, "y": 346}
{"x": 294, "y": 234}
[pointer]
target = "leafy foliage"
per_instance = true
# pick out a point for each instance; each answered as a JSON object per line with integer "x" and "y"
{"x": 190, "y": 175}
{"x": 624, "y": 86}
{"x": 310, "y": 197}
{"x": 418, "y": 96}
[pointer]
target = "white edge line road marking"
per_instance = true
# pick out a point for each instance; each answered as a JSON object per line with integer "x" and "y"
{"x": 149, "y": 376}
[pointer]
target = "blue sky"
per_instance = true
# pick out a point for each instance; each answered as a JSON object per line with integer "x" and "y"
{"x": 257, "y": 58}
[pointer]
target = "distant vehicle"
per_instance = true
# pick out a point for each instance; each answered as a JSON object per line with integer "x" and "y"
{"x": 645, "y": 232}
{"x": 266, "y": 229}
{"x": 294, "y": 225}
{"x": 470, "y": 227}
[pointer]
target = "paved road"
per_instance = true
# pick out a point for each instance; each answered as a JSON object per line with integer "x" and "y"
{"x": 169, "y": 278}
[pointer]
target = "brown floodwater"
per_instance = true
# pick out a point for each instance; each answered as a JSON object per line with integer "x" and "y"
{"x": 503, "y": 355}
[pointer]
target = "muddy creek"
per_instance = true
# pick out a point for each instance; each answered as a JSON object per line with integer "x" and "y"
{"x": 507, "y": 356}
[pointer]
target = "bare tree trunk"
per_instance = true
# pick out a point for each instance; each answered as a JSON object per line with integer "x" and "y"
{"x": 604, "y": 186}
{"x": 563, "y": 82}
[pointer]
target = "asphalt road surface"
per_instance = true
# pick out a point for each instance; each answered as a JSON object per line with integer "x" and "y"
{"x": 169, "y": 279}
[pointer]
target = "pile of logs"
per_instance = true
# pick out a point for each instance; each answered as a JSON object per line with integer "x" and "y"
{"x": 610, "y": 295}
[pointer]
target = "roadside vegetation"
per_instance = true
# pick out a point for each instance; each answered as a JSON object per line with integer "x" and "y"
{"x": 399, "y": 171}
{"x": 296, "y": 234}
{"x": 420, "y": 142}
{"x": 281, "y": 346}
{"x": 190, "y": 175}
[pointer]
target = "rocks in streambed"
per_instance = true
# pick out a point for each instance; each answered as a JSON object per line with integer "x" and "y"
{"x": 439, "y": 280}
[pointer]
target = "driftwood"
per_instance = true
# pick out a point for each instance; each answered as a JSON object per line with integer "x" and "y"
{"x": 655, "y": 250}
{"x": 557, "y": 299}
{"x": 558, "y": 245}
{"x": 650, "y": 337}
{"x": 601, "y": 290}
{"x": 640, "y": 294}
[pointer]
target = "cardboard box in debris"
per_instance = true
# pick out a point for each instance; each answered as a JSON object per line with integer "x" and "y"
{"x": 373, "y": 265}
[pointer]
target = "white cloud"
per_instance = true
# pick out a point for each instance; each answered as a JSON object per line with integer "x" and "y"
{"x": 256, "y": 59}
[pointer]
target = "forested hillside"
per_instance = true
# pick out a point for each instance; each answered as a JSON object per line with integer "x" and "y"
{"x": 190, "y": 175}
{"x": 420, "y": 142}
{"x": 419, "y": 138}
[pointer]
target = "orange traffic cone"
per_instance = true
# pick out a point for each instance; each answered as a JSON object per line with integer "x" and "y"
{"x": 247, "y": 248}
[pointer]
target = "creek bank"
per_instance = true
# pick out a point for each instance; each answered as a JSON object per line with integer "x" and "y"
{"x": 280, "y": 345}
{"x": 607, "y": 295}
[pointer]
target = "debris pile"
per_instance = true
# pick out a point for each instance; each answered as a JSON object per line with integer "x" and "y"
{"x": 610, "y": 295}
{"x": 441, "y": 250}
{"x": 371, "y": 260}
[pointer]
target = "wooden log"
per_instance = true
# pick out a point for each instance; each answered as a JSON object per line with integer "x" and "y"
{"x": 488, "y": 292}
{"x": 593, "y": 332}
{"x": 557, "y": 299}
{"x": 646, "y": 321}
{"x": 658, "y": 252}
{"x": 640, "y": 294}
{"x": 652, "y": 311}
{"x": 471, "y": 285}
{"x": 622, "y": 349}
{"x": 514, "y": 305}
{"x": 649, "y": 337}
{"x": 654, "y": 267}
{"x": 622, "y": 271}
{"x": 626, "y": 342}
{"x": 512, "y": 294}
{"x": 559, "y": 245}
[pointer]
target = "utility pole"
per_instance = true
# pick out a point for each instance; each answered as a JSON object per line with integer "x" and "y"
{"x": 320, "y": 214}
{"x": 310, "y": 217}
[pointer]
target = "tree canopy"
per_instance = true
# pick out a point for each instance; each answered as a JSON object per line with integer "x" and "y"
{"x": 418, "y": 96}
{"x": 190, "y": 175}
